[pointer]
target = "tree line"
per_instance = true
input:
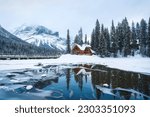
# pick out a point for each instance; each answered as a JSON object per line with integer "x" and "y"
{"x": 121, "y": 40}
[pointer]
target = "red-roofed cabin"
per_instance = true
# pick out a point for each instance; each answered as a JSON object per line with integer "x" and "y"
{"x": 82, "y": 50}
{"x": 77, "y": 50}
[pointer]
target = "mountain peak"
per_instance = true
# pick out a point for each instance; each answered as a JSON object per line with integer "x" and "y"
{"x": 34, "y": 30}
{"x": 41, "y": 36}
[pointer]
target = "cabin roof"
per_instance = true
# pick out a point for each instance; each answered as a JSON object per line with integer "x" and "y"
{"x": 81, "y": 47}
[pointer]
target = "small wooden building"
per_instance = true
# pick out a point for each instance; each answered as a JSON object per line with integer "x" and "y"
{"x": 76, "y": 49}
{"x": 82, "y": 50}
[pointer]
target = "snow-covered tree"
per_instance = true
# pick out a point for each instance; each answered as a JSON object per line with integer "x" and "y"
{"x": 97, "y": 35}
{"x": 119, "y": 36}
{"x": 68, "y": 42}
{"x": 114, "y": 45}
{"x": 93, "y": 40}
{"x": 86, "y": 42}
{"x": 76, "y": 39}
{"x": 148, "y": 40}
{"x": 143, "y": 37}
{"x": 126, "y": 37}
{"x": 80, "y": 37}
{"x": 138, "y": 32}
{"x": 133, "y": 43}
{"x": 107, "y": 39}
{"x": 102, "y": 49}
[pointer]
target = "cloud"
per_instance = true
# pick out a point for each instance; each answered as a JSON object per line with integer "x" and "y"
{"x": 73, "y": 14}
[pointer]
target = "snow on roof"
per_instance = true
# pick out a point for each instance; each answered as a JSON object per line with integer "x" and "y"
{"x": 92, "y": 51}
{"x": 81, "y": 47}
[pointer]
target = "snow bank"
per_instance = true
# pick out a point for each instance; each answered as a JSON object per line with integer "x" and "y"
{"x": 135, "y": 64}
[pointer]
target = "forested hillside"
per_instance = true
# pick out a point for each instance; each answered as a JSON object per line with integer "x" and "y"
{"x": 11, "y": 45}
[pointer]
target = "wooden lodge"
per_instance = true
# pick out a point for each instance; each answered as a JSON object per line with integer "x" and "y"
{"x": 82, "y": 50}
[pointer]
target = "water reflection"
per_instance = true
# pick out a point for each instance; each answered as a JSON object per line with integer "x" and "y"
{"x": 74, "y": 82}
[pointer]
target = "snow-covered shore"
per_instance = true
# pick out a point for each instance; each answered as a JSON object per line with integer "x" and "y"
{"x": 135, "y": 64}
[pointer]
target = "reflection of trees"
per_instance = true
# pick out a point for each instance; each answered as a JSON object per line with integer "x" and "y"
{"x": 118, "y": 78}
{"x": 68, "y": 78}
{"x": 100, "y": 77}
{"x": 79, "y": 80}
{"x": 80, "y": 77}
{"x": 86, "y": 78}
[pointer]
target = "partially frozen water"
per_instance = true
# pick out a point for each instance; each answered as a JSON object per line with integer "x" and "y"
{"x": 73, "y": 82}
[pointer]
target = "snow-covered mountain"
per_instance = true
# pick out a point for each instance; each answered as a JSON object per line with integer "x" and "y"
{"x": 40, "y": 36}
{"x": 8, "y": 36}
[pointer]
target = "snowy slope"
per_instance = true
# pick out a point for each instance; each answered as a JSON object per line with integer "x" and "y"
{"x": 10, "y": 37}
{"x": 40, "y": 36}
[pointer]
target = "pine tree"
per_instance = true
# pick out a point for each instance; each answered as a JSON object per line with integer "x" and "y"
{"x": 80, "y": 36}
{"x": 107, "y": 39}
{"x": 93, "y": 40}
{"x": 76, "y": 39}
{"x": 138, "y": 32}
{"x": 97, "y": 35}
{"x": 86, "y": 42}
{"x": 133, "y": 43}
{"x": 119, "y": 36}
{"x": 114, "y": 44}
{"x": 143, "y": 37}
{"x": 68, "y": 43}
{"x": 148, "y": 39}
{"x": 126, "y": 38}
{"x": 101, "y": 42}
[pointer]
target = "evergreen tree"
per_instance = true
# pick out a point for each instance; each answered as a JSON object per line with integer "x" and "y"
{"x": 133, "y": 43}
{"x": 76, "y": 39}
{"x": 148, "y": 39}
{"x": 114, "y": 45}
{"x": 86, "y": 42}
{"x": 102, "y": 43}
{"x": 97, "y": 35}
{"x": 119, "y": 36}
{"x": 138, "y": 32}
{"x": 68, "y": 42}
{"x": 126, "y": 38}
{"x": 107, "y": 39}
{"x": 93, "y": 40}
{"x": 143, "y": 37}
{"x": 80, "y": 37}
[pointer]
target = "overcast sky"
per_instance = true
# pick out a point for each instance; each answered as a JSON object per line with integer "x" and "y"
{"x": 59, "y": 15}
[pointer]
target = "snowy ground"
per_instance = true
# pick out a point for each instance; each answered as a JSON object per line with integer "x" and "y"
{"x": 135, "y": 64}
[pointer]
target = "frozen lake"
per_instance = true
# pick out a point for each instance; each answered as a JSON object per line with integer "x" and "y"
{"x": 73, "y": 82}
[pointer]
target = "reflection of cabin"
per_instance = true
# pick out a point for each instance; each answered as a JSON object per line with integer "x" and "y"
{"x": 83, "y": 69}
{"x": 82, "y": 50}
